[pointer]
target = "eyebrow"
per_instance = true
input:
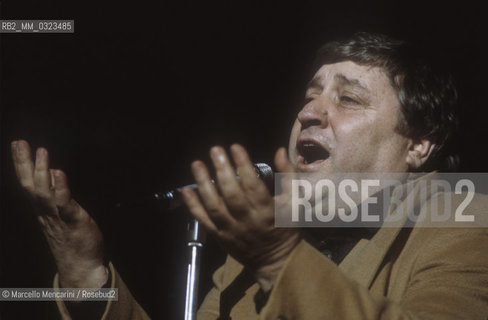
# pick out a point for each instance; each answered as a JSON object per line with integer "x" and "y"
{"x": 316, "y": 83}
{"x": 350, "y": 82}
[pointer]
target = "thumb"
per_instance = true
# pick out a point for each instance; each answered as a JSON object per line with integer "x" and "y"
{"x": 281, "y": 161}
{"x": 287, "y": 170}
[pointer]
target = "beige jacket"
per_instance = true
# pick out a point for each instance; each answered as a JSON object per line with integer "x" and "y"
{"x": 400, "y": 273}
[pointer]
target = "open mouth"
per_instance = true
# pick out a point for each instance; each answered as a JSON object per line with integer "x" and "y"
{"x": 312, "y": 152}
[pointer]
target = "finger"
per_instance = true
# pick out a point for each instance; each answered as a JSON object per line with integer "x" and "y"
{"x": 252, "y": 185}
{"x": 62, "y": 194}
{"x": 197, "y": 210}
{"x": 281, "y": 161}
{"x": 226, "y": 178}
{"x": 211, "y": 199}
{"x": 24, "y": 167}
{"x": 69, "y": 209}
{"x": 42, "y": 176}
{"x": 283, "y": 165}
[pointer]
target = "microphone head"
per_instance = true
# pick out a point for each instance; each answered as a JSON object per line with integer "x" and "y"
{"x": 265, "y": 172}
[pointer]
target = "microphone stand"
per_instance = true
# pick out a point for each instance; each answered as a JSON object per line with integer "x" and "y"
{"x": 196, "y": 238}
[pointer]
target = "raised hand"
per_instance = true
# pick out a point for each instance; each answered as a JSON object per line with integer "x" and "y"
{"x": 241, "y": 213}
{"x": 73, "y": 236}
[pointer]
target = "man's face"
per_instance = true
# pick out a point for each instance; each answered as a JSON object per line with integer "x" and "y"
{"x": 348, "y": 123}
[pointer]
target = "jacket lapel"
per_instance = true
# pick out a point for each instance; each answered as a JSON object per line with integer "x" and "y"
{"x": 362, "y": 264}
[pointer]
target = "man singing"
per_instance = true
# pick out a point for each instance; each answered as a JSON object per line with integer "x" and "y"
{"x": 373, "y": 105}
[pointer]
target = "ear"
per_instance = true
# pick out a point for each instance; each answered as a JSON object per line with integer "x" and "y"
{"x": 418, "y": 152}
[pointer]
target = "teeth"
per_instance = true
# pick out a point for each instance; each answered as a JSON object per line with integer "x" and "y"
{"x": 312, "y": 152}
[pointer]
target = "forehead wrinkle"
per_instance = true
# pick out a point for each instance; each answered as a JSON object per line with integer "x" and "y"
{"x": 354, "y": 83}
{"x": 315, "y": 83}
{"x": 358, "y": 79}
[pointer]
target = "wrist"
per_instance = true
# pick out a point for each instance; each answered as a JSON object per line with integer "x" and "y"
{"x": 95, "y": 277}
{"x": 267, "y": 274}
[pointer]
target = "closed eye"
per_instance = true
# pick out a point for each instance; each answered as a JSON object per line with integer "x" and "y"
{"x": 307, "y": 100}
{"x": 348, "y": 100}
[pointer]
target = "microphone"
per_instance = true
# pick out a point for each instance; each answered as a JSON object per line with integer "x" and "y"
{"x": 172, "y": 199}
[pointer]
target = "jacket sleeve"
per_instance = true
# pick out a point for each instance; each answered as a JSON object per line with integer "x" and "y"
{"x": 232, "y": 295}
{"x": 125, "y": 308}
{"x": 449, "y": 280}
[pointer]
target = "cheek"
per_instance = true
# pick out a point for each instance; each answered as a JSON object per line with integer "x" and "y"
{"x": 368, "y": 144}
{"x": 354, "y": 137}
{"x": 352, "y": 129}
{"x": 367, "y": 127}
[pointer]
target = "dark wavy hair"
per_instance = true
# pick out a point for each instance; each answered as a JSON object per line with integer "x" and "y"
{"x": 427, "y": 94}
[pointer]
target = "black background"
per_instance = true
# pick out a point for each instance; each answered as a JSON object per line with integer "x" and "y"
{"x": 143, "y": 88}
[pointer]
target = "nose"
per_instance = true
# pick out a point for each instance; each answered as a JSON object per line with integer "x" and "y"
{"x": 313, "y": 114}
